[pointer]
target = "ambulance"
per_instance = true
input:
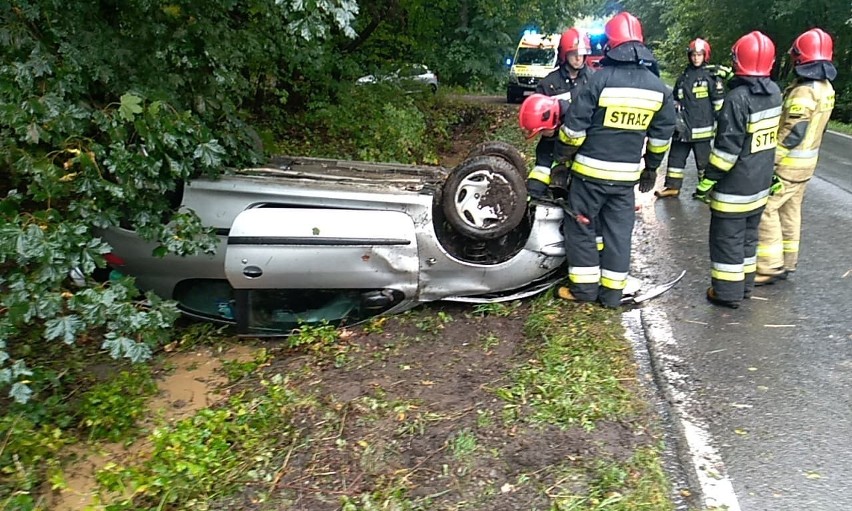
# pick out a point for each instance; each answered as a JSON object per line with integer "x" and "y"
{"x": 535, "y": 57}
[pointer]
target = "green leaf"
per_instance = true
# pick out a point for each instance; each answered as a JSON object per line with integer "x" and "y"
{"x": 20, "y": 392}
{"x": 130, "y": 106}
{"x": 210, "y": 153}
{"x": 65, "y": 327}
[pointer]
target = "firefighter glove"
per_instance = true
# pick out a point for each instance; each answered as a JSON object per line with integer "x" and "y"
{"x": 777, "y": 186}
{"x": 563, "y": 153}
{"x": 647, "y": 180}
{"x": 536, "y": 189}
{"x": 702, "y": 191}
{"x": 560, "y": 176}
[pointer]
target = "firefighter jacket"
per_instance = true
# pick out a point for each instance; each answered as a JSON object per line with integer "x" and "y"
{"x": 699, "y": 94}
{"x": 560, "y": 84}
{"x": 807, "y": 106}
{"x": 606, "y": 127}
{"x": 742, "y": 158}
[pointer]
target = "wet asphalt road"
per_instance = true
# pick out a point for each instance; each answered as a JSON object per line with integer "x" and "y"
{"x": 771, "y": 381}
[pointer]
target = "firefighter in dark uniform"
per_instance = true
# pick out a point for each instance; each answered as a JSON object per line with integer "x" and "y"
{"x": 603, "y": 135}
{"x": 572, "y": 72}
{"x": 738, "y": 179}
{"x": 808, "y": 103}
{"x": 698, "y": 95}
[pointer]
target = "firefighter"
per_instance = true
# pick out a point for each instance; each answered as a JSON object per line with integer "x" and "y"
{"x": 698, "y": 95}
{"x": 603, "y": 135}
{"x": 572, "y": 72}
{"x": 739, "y": 175}
{"x": 808, "y": 103}
{"x": 540, "y": 115}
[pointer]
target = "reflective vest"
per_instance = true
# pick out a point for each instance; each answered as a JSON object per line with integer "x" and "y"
{"x": 807, "y": 107}
{"x": 610, "y": 119}
{"x": 743, "y": 154}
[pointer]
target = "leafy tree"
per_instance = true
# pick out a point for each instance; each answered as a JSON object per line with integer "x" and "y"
{"x": 673, "y": 23}
{"x": 105, "y": 107}
{"x": 465, "y": 40}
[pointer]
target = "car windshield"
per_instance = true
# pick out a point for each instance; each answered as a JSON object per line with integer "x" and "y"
{"x": 410, "y": 71}
{"x": 536, "y": 57}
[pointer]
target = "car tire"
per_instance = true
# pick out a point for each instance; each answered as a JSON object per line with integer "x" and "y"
{"x": 484, "y": 197}
{"x": 503, "y": 150}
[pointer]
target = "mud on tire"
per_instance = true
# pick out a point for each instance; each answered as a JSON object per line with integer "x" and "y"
{"x": 484, "y": 197}
{"x": 503, "y": 150}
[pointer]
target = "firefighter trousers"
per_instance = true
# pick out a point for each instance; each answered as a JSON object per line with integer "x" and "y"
{"x": 677, "y": 161}
{"x": 733, "y": 248}
{"x": 599, "y": 275}
{"x": 780, "y": 230}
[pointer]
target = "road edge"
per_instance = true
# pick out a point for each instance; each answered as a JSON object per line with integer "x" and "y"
{"x": 700, "y": 460}
{"x": 672, "y": 460}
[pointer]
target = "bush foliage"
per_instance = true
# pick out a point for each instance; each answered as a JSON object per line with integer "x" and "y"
{"x": 104, "y": 109}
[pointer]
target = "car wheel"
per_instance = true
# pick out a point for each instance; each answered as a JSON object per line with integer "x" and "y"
{"x": 433, "y": 87}
{"x": 503, "y": 150}
{"x": 484, "y": 197}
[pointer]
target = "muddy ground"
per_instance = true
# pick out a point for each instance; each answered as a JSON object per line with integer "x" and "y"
{"x": 405, "y": 397}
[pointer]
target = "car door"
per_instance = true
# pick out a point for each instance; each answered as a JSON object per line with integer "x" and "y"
{"x": 301, "y": 264}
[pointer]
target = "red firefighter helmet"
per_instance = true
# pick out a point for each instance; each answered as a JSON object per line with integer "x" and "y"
{"x": 754, "y": 55}
{"x": 623, "y": 28}
{"x": 538, "y": 113}
{"x": 811, "y": 46}
{"x": 574, "y": 39}
{"x": 699, "y": 45}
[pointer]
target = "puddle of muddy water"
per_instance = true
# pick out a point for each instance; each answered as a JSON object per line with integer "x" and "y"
{"x": 193, "y": 382}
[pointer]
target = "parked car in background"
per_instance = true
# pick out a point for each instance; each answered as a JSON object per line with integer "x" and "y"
{"x": 410, "y": 77}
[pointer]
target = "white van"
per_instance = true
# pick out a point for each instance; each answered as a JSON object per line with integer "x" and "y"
{"x": 534, "y": 59}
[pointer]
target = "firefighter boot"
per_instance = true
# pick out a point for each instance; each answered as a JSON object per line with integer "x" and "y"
{"x": 667, "y": 192}
{"x": 715, "y": 300}
{"x": 766, "y": 279}
{"x": 565, "y": 293}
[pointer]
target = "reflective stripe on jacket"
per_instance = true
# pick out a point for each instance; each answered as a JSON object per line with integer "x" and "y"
{"x": 742, "y": 158}
{"x": 807, "y": 107}
{"x": 610, "y": 119}
{"x": 700, "y": 94}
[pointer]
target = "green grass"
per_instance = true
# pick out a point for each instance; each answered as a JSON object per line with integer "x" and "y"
{"x": 633, "y": 485}
{"x": 840, "y": 127}
{"x": 577, "y": 372}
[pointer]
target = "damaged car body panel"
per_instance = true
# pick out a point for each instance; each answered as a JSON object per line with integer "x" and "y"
{"x": 308, "y": 240}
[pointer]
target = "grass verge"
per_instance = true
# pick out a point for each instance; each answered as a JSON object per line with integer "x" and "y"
{"x": 840, "y": 127}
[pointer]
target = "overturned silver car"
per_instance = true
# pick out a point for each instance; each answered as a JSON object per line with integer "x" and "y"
{"x": 308, "y": 240}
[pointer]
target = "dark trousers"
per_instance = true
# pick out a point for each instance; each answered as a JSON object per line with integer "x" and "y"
{"x": 733, "y": 249}
{"x": 677, "y": 160}
{"x": 594, "y": 275}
